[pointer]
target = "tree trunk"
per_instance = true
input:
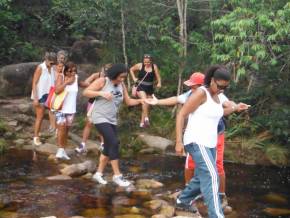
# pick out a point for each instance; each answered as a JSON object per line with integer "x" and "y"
{"x": 124, "y": 43}
{"x": 182, "y": 13}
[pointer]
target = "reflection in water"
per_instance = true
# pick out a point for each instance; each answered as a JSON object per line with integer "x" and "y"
{"x": 25, "y": 191}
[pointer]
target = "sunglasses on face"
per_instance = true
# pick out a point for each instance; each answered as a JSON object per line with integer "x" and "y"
{"x": 221, "y": 87}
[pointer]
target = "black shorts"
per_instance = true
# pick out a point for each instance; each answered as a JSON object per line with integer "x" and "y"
{"x": 149, "y": 90}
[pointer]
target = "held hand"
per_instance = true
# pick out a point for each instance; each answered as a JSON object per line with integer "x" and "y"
{"x": 179, "y": 149}
{"x": 158, "y": 85}
{"x": 106, "y": 95}
{"x": 152, "y": 101}
{"x": 242, "y": 107}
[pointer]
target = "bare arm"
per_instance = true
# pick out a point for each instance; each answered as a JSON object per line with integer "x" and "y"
{"x": 166, "y": 101}
{"x": 60, "y": 84}
{"x": 35, "y": 79}
{"x": 157, "y": 75}
{"x": 90, "y": 79}
{"x": 133, "y": 70}
{"x": 94, "y": 89}
{"x": 231, "y": 107}
{"x": 193, "y": 102}
{"x": 130, "y": 101}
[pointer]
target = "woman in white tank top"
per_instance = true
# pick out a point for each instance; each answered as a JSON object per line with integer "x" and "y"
{"x": 204, "y": 110}
{"x": 68, "y": 81}
{"x": 43, "y": 79}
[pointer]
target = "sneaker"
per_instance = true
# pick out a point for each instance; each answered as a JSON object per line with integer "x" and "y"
{"x": 99, "y": 178}
{"x": 146, "y": 122}
{"x": 81, "y": 149}
{"x": 120, "y": 181}
{"x": 61, "y": 154}
{"x": 191, "y": 208}
{"x": 36, "y": 141}
{"x": 142, "y": 125}
{"x": 51, "y": 129}
{"x": 224, "y": 200}
{"x": 225, "y": 205}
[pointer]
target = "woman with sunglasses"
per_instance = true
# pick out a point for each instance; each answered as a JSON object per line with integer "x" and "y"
{"x": 43, "y": 79}
{"x": 147, "y": 73}
{"x": 204, "y": 110}
{"x": 110, "y": 92}
{"x": 68, "y": 81}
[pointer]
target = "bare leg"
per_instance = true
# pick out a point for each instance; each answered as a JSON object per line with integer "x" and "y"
{"x": 145, "y": 107}
{"x": 52, "y": 120}
{"x": 115, "y": 167}
{"x": 39, "y": 112}
{"x": 86, "y": 131}
{"x": 103, "y": 160}
{"x": 61, "y": 135}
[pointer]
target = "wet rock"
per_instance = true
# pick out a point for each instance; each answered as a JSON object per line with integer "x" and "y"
{"x": 155, "y": 204}
{"x": 47, "y": 148}
{"x": 159, "y": 216}
{"x": 123, "y": 200}
{"x": 142, "y": 194}
{"x": 130, "y": 216}
{"x": 274, "y": 198}
{"x": 79, "y": 169}
{"x": 90, "y": 145}
{"x": 48, "y": 217}
{"x": 12, "y": 123}
{"x": 88, "y": 176}
{"x": 59, "y": 177}
{"x": 7, "y": 214}
{"x": 155, "y": 141}
{"x": 148, "y": 184}
{"x": 148, "y": 151}
{"x": 9, "y": 135}
{"x": 16, "y": 79}
{"x": 277, "y": 212}
{"x": 167, "y": 210}
{"x": 77, "y": 217}
{"x": 98, "y": 212}
{"x": 22, "y": 118}
{"x": 183, "y": 214}
{"x": 126, "y": 210}
{"x": 19, "y": 141}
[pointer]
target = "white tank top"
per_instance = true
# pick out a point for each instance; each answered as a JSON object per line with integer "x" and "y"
{"x": 202, "y": 123}
{"x": 70, "y": 101}
{"x": 46, "y": 80}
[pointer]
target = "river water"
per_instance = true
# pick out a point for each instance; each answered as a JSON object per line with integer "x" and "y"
{"x": 26, "y": 193}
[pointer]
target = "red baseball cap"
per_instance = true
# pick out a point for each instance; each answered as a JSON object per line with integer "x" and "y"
{"x": 196, "y": 78}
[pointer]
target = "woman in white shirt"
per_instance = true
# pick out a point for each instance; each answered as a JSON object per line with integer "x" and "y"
{"x": 43, "y": 79}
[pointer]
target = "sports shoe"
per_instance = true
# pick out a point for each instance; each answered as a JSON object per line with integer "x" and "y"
{"x": 120, "y": 181}
{"x": 81, "y": 149}
{"x": 61, "y": 154}
{"x": 142, "y": 125}
{"x": 146, "y": 122}
{"x": 99, "y": 178}
{"x": 36, "y": 141}
{"x": 191, "y": 208}
{"x": 225, "y": 205}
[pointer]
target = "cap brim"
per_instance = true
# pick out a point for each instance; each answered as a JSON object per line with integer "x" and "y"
{"x": 189, "y": 83}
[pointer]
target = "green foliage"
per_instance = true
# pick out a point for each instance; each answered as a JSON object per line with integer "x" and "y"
{"x": 3, "y": 146}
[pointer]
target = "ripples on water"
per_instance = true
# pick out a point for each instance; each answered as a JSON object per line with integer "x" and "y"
{"x": 24, "y": 189}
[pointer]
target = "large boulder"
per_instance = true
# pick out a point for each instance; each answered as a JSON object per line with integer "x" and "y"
{"x": 15, "y": 79}
{"x": 156, "y": 142}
